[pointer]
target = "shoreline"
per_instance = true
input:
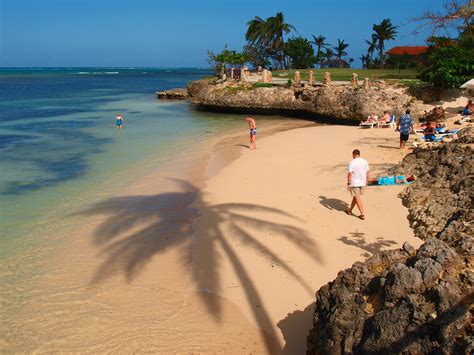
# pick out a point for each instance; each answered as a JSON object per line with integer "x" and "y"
{"x": 90, "y": 260}
{"x": 112, "y": 263}
{"x": 246, "y": 221}
{"x": 220, "y": 249}
{"x": 225, "y": 257}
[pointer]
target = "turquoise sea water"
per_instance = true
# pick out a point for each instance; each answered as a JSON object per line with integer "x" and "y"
{"x": 60, "y": 154}
{"x": 59, "y": 147}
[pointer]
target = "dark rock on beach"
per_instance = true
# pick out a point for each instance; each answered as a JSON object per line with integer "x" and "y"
{"x": 437, "y": 114}
{"x": 411, "y": 301}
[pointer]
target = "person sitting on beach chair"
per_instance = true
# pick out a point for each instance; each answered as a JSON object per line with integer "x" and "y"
{"x": 467, "y": 111}
{"x": 387, "y": 121}
{"x": 372, "y": 120}
{"x": 430, "y": 132}
{"x": 385, "y": 118}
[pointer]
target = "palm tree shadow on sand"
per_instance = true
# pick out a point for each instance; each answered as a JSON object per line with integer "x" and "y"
{"x": 138, "y": 228}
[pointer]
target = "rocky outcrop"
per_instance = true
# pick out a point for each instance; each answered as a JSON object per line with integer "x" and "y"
{"x": 195, "y": 87}
{"x": 332, "y": 102}
{"x": 407, "y": 301}
{"x": 437, "y": 114}
{"x": 173, "y": 94}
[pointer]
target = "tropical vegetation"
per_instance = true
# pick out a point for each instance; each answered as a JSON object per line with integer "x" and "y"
{"x": 300, "y": 52}
{"x": 270, "y": 34}
{"x": 340, "y": 51}
{"x": 448, "y": 62}
{"x": 320, "y": 44}
{"x": 382, "y": 32}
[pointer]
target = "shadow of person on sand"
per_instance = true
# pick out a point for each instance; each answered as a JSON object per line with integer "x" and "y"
{"x": 242, "y": 145}
{"x": 357, "y": 239}
{"x": 333, "y": 204}
{"x": 138, "y": 228}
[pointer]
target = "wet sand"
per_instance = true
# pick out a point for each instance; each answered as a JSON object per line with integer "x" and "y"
{"x": 219, "y": 252}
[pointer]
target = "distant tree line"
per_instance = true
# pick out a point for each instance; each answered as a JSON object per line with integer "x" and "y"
{"x": 447, "y": 63}
{"x": 267, "y": 47}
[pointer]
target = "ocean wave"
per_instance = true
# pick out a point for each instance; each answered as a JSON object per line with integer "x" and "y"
{"x": 97, "y": 73}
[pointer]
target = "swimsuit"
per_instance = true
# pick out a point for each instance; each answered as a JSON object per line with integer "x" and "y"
{"x": 386, "y": 180}
{"x": 253, "y": 131}
{"x": 391, "y": 180}
{"x": 119, "y": 122}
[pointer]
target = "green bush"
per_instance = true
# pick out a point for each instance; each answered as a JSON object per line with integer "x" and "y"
{"x": 301, "y": 53}
{"x": 235, "y": 89}
{"x": 449, "y": 66}
{"x": 262, "y": 85}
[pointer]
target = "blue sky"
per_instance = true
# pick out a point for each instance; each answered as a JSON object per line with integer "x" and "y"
{"x": 177, "y": 33}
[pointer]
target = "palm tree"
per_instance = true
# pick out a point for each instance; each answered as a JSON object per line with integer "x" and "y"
{"x": 276, "y": 28}
{"x": 320, "y": 44}
{"x": 256, "y": 33}
{"x": 365, "y": 59}
{"x": 328, "y": 54}
{"x": 270, "y": 33}
{"x": 372, "y": 45}
{"x": 340, "y": 50}
{"x": 384, "y": 31}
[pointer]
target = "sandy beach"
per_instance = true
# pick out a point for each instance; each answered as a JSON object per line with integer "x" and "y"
{"x": 274, "y": 222}
{"x": 226, "y": 258}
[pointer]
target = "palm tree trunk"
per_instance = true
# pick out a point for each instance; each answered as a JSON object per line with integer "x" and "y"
{"x": 320, "y": 58}
{"x": 381, "y": 47}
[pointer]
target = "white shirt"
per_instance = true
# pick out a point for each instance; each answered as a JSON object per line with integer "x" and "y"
{"x": 359, "y": 168}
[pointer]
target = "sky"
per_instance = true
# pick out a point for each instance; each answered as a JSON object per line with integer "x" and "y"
{"x": 178, "y": 33}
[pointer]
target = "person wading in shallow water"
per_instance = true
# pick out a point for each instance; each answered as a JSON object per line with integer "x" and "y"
{"x": 357, "y": 180}
{"x": 119, "y": 120}
{"x": 253, "y": 132}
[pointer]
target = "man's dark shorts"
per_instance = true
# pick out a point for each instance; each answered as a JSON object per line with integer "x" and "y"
{"x": 404, "y": 136}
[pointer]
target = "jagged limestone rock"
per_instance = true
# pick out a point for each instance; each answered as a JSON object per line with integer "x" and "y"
{"x": 407, "y": 301}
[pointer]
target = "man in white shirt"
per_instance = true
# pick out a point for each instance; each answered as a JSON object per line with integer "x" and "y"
{"x": 357, "y": 179}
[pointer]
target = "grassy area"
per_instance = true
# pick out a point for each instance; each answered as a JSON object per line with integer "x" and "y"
{"x": 345, "y": 74}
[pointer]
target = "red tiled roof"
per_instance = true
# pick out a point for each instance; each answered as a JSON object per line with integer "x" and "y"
{"x": 410, "y": 50}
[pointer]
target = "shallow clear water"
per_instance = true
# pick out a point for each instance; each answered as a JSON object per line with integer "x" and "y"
{"x": 60, "y": 149}
{"x": 59, "y": 146}
{"x": 60, "y": 153}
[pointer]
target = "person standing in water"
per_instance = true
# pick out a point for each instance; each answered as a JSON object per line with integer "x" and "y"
{"x": 119, "y": 120}
{"x": 253, "y": 132}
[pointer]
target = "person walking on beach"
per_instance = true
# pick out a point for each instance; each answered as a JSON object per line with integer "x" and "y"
{"x": 119, "y": 120}
{"x": 357, "y": 180}
{"x": 405, "y": 127}
{"x": 253, "y": 132}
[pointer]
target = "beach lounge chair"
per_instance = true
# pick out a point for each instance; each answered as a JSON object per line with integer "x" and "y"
{"x": 438, "y": 138}
{"x": 371, "y": 122}
{"x": 390, "y": 123}
{"x": 368, "y": 124}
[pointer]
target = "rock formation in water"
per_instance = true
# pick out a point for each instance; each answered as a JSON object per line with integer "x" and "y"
{"x": 350, "y": 103}
{"x": 173, "y": 94}
{"x": 411, "y": 301}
